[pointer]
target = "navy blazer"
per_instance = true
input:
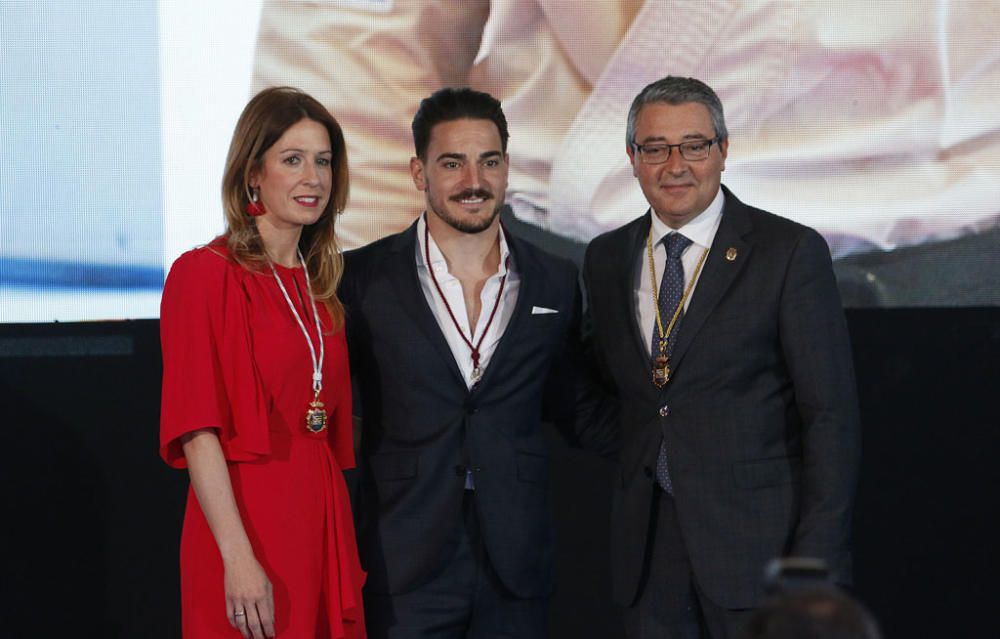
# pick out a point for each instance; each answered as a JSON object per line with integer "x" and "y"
{"x": 760, "y": 416}
{"x": 422, "y": 426}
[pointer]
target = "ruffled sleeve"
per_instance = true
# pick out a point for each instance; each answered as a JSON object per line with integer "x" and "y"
{"x": 209, "y": 377}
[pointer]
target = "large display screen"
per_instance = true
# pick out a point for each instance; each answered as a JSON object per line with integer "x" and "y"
{"x": 877, "y": 123}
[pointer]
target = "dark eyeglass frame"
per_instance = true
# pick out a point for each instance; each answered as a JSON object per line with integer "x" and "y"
{"x": 641, "y": 150}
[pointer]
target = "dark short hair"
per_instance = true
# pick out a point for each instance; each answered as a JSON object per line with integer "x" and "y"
{"x": 676, "y": 90}
{"x": 449, "y": 104}
{"x": 812, "y": 612}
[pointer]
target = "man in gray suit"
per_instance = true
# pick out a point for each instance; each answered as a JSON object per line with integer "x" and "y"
{"x": 720, "y": 329}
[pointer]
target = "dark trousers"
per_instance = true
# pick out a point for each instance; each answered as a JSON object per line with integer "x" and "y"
{"x": 464, "y": 601}
{"x": 671, "y": 605}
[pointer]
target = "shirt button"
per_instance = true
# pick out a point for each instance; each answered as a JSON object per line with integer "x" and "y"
{"x": 664, "y": 410}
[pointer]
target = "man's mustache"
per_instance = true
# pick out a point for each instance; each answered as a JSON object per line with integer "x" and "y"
{"x": 472, "y": 193}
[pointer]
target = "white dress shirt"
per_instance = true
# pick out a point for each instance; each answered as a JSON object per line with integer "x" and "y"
{"x": 701, "y": 231}
{"x": 452, "y": 289}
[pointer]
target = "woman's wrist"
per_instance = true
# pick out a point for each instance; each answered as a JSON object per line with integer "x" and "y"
{"x": 236, "y": 551}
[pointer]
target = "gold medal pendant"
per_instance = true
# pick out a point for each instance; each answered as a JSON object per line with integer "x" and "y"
{"x": 661, "y": 371}
{"x": 661, "y": 363}
{"x": 316, "y": 416}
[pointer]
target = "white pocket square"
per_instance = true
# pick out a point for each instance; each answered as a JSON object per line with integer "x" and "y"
{"x": 541, "y": 310}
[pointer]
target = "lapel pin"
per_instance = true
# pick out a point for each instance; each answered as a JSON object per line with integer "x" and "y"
{"x": 731, "y": 254}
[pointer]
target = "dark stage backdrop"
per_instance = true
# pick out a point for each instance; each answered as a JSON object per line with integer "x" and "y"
{"x": 92, "y": 517}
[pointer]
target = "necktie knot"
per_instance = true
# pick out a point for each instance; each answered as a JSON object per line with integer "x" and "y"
{"x": 675, "y": 244}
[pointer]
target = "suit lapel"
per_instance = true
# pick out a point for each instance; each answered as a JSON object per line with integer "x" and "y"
{"x": 527, "y": 270}
{"x": 626, "y": 285}
{"x": 717, "y": 275}
{"x": 410, "y": 295}
{"x": 622, "y": 311}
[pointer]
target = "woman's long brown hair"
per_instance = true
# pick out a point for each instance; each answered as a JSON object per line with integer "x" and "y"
{"x": 264, "y": 120}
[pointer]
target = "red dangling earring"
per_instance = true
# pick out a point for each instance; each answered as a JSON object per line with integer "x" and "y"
{"x": 254, "y": 208}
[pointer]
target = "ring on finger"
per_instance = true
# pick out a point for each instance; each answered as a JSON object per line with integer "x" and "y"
{"x": 240, "y": 613}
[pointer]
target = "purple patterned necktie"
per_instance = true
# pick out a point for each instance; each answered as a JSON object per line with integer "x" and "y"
{"x": 671, "y": 291}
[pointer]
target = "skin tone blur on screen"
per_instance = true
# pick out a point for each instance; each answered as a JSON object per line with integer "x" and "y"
{"x": 878, "y": 106}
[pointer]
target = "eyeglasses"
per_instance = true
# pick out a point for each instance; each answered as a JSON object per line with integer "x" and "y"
{"x": 692, "y": 150}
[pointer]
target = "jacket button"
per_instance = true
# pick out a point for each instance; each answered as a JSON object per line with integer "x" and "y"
{"x": 460, "y": 470}
{"x": 647, "y": 471}
{"x": 664, "y": 410}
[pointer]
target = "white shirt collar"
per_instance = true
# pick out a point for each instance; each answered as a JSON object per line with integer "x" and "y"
{"x": 700, "y": 230}
{"x": 437, "y": 257}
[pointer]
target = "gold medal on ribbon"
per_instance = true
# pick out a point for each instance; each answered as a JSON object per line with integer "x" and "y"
{"x": 661, "y": 371}
{"x": 316, "y": 416}
{"x": 661, "y": 363}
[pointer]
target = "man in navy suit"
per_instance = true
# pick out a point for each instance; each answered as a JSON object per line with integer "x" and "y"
{"x": 720, "y": 329}
{"x": 463, "y": 339}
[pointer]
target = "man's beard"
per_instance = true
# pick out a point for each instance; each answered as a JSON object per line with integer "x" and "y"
{"x": 476, "y": 224}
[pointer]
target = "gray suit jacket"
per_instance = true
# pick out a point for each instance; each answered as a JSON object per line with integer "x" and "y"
{"x": 762, "y": 426}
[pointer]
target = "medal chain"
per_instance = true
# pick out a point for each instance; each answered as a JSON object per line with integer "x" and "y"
{"x": 476, "y": 371}
{"x": 317, "y": 362}
{"x": 656, "y": 303}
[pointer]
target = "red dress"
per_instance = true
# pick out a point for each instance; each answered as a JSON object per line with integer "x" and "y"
{"x": 234, "y": 359}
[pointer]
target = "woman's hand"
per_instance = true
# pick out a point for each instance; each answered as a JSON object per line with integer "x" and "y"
{"x": 249, "y": 600}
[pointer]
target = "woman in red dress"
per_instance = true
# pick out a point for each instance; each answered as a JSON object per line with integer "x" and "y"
{"x": 256, "y": 389}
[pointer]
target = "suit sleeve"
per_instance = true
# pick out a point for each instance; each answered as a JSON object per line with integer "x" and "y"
{"x": 599, "y": 373}
{"x": 349, "y": 295}
{"x": 816, "y": 347}
{"x": 582, "y": 410}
